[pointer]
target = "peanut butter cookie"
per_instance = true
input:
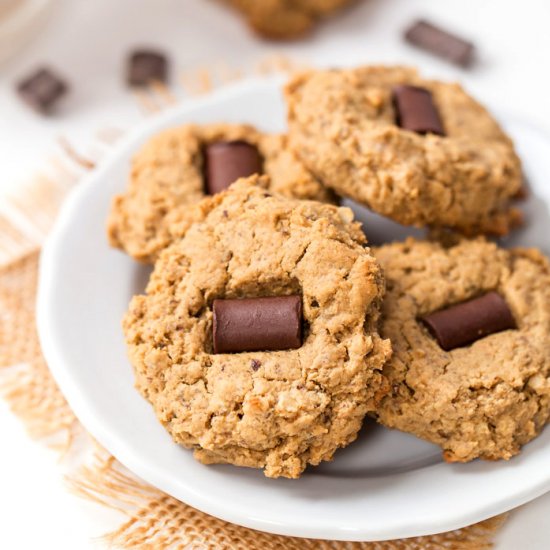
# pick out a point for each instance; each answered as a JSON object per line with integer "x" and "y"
{"x": 419, "y": 151}
{"x": 470, "y": 331}
{"x": 171, "y": 173}
{"x": 295, "y": 399}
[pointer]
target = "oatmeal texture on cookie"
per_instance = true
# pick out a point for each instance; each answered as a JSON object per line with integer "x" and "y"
{"x": 343, "y": 125}
{"x": 167, "y": 179}
{"x": 285, "y": 19}
{"x": 483, "y": 400}
{"x": 276, "y": 410}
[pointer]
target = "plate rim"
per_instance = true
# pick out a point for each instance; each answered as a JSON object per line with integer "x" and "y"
{"x": 149, "y": 472}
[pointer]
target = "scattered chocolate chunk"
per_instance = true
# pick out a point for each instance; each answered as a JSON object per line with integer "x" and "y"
{"x": 416, "y": 110}
{"x": 440, "y": 42}
{"x": 227, "y": 161}
{"x": 42, "y": 90}
{"x": 464, "y": 323}
{"x": 146, "y": 66}
{"x": 257, "y": 324}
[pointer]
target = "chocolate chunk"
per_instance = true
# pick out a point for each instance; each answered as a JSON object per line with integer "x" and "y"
{"x": 440, "y": 43}
{"x": 227, "y": 161}
{"x": 464, "y": 323}
{"x": 42, "y": 90}
{"x": 257, "y": 324}
{"x": 255, "y": 364}
{"x": 146, "y": 66}
{"x": 416, "y": 110}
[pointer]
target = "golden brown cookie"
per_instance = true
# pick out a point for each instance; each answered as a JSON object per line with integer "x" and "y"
{"x": 344, "y": 126}
{"x": 286, "y": 19}
{"x": 485, "y": 399}
{"x": 276, "y": 410}
{"x": 167, "y": 179}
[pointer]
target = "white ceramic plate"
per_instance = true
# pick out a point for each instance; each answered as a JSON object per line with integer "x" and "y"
{"x": 386, "y": 485}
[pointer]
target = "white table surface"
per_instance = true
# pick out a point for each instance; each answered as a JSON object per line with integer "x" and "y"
{"x": 87, "y": 42}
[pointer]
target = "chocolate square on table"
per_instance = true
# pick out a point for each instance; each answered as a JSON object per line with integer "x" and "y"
{"x": 146, "y": 66}
{"x": 435, "y": 40}
{"x": 42, "y": 90}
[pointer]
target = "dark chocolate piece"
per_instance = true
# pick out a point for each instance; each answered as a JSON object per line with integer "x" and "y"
{"x": 440, "y": 42}
{"x": 416, "y": 111}
{"x": 227, "y": 161}
{"x": 464, "y": 323}
{"x": 255, "y": 364}
{"x": 257, "y": 324}
{"x": 146, "y": 66}
{"x": 42, "y": 90}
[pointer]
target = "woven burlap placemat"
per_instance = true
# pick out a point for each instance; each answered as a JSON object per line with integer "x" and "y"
{"x": 154, "y": 520}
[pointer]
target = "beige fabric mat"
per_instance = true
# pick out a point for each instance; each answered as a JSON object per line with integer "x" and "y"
{"x": 155, "y": 520}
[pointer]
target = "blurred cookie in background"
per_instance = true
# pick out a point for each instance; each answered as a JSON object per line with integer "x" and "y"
{"x": 286, "y": 19}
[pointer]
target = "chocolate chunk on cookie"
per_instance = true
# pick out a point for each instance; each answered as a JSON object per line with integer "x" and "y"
{"x": 257, "y": 324}
{"x": 415, "y": 110}
{"x": 273, "y": 261}
{"x": 483, "y": 390}
{"x": 464, "y": 323}
{"x": 178, "y": 167}
{"x": 455, "y": 169}
{"x": 227, "y": 161}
